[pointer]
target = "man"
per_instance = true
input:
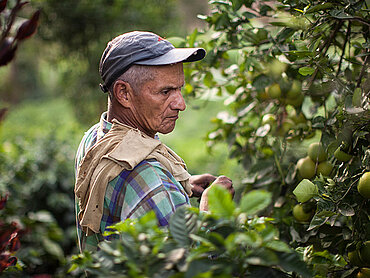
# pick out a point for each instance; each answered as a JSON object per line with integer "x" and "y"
{"x": 122, "y": 169}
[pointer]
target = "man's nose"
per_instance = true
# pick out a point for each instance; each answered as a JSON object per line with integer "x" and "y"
{"x": 179, "y": 102}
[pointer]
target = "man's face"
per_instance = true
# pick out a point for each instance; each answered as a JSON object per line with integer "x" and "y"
{"x": 156, "y": 107}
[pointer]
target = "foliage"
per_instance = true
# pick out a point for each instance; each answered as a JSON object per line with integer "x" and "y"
{"x": 37, "y": 146}
{"x": 229, "y": 241}
{"x": 9, "y": 240}
{"x": 293, "y": 73}
{"x": 38, "y": 178}
{"x": 9, "y": 41}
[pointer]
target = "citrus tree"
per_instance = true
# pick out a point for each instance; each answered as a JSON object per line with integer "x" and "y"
{"x": 295, "y": 83}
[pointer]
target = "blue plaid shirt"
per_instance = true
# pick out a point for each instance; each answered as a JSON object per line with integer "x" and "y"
{"x": 149, "y": 186}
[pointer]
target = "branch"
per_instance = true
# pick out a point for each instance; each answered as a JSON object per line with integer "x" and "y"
{"x": 344, "y": 47}
{"x": 356, "y": 18}
{"x": 363, "y": 70}
{"x": 326, "y": 45}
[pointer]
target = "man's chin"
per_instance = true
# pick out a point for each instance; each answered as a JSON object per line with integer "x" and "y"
{"x": 167, "y": 130}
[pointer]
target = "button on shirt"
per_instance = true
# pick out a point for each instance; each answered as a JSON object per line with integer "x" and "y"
{"x": 149, "y": 186}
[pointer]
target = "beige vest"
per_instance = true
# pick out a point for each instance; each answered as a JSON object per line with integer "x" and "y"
{"x": 122, "y": 148}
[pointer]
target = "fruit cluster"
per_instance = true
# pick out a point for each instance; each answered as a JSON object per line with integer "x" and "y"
{"x": 315, "y": 163}
{"x": 361, "y": 257}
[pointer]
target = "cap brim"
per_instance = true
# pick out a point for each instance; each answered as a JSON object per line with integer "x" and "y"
{"x": 174, "y": 56}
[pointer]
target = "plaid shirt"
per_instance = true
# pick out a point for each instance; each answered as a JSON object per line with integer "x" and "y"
{"x": 149, "y": 186}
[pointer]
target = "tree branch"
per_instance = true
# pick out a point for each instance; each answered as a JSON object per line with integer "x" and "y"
{"x": 344, "y": 47}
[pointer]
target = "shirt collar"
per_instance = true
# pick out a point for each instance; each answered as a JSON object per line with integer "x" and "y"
{"x": 105, "y": 126}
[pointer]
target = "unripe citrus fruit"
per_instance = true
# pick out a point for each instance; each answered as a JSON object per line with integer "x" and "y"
{"x": 300, "y": 215}
{"x": 363, "y": 186}
{"x": 354, "y": 258}
{"x": 364, "y": 253}
{"x": 295, "y": 102}
{"x": 324, "y": 168}
{"x": 306, "y": 167}
{"x": 341, "y": 155}
{"x": 317, "y": 152}
{"x": 274, "y": 91}
{"x": 364, "y": 273}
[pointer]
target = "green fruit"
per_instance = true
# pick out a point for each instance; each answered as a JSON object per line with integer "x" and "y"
{"x": 341, "y": 155}
{"x": 364, "y": 253}
{"x": 363, "y": 186}
{"x": 300, "y": 215}
{"x": 276, "y": 67}
{"x": 324, "y": 168}
{"x": 317, "y": 152}
{"x": 295, "y": 102}
{"x": 286, "y": 125}
{"x": 306, "y": 168}
{"x": 354, "y": 258}
{"x": 274, "y": 91}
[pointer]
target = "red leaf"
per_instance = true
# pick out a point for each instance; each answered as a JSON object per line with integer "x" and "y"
{"x": 7, "y": 52}
{"x": 28, "y": 28}
{"x": 15, "y": 244}
{"x": 3, "y": 199}
{"x": 2, "y": 5}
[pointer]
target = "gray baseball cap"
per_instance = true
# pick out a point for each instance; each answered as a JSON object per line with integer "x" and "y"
{"x": 141, "y": 48}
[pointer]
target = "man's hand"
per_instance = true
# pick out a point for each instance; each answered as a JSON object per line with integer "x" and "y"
{"x": 222, "y": 181}
{"x": 200, "y": 182}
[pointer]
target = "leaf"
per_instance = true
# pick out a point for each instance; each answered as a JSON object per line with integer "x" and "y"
{"x": 197, "y": 267}
{"x": 346, "y": 210}
{"x": 53, "y": 248}
{"x": 292, "y": 262}
{"x": 220, "y": 202}
{"x": 279, "y": 246}
{"x": 306, "y": 71}
{"x": 305, "y": 190}
{"x": 261, "y": 82}
{"x": 255, "y": 201}
{"x": 181, "y": 225}
{"x": 320, "y": 219}
{"x": 3, "y": 5}
{"x": 28, "y": 28}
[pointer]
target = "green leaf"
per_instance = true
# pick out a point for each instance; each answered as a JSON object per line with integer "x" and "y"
{"x": 346, "y": 210}
{"x": 220, "y": 202}
{"x": 255, "y": 201}
{"x": 52, "y": 248}
{"x": 279, "y": 246}
{"x": 292, "y": 262}
{"x": 305, "y": 190}
{"x": 181, "y": 225}
{"x": 306, "y": 71}
{"x": 320, "y": 219}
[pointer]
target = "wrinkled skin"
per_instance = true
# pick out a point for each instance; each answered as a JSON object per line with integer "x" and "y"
{"x": 155, "y": 109}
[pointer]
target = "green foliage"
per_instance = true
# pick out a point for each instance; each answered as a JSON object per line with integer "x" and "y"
{"x": 215, "y": 244}
{"x": 305, "y": 63}
{"x": 36, "y": 167}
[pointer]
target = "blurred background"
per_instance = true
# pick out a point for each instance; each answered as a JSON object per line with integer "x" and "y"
{"x": 51, "y": 92}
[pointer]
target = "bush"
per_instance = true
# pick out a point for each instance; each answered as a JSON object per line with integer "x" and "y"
{"x": 229, "y": 241}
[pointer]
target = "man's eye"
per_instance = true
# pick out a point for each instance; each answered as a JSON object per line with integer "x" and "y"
{"x": 165, "y": 92}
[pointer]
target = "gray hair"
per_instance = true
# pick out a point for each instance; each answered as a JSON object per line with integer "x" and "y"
{"x": 136, "y": 76}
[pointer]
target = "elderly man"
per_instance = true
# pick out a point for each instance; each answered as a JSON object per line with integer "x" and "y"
{"x": 122, "y": 169}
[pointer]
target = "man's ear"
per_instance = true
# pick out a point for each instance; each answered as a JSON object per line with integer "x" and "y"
{"x": 122, "y": 92}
